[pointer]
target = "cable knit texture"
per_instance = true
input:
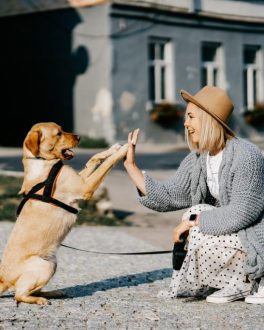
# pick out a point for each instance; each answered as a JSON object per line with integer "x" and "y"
{"x": 241, "y": 197}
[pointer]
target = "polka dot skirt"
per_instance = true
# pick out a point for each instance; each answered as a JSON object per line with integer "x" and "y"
{"x": 211, "y": 261}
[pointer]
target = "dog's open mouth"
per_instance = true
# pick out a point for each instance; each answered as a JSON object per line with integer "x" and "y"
{"x": 68, "y": 153}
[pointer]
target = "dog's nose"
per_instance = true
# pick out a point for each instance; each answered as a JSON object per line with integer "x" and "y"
{"x": 77, "y": 137}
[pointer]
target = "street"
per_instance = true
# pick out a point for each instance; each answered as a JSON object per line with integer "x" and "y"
{"x": 162, "y": 160}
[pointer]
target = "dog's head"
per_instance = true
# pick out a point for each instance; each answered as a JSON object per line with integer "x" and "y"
{"x": 49, "y": 141}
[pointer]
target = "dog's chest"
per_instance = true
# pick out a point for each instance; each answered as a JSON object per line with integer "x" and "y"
{"x": 35, "y": 170}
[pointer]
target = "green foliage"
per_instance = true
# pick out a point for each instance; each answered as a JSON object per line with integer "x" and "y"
{"x": 9, "y": 201}
{"x": 88, "y": 142}
{"x": 255, "y": 117}
{"x": 89, "y": 215}
{"x": 9, "y": 198}
{"x": 165, "y": 113}
{"x": 8, "y": 211}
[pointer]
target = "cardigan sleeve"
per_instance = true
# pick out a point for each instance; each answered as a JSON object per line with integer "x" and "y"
{"x": 246, "y": 198}
{"x": 172, "y": 194}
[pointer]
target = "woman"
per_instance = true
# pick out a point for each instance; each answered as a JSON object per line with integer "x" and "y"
{"x": 226, "y": 241}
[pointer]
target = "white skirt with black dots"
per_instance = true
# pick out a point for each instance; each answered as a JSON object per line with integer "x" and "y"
{"x": 211, "y": 261}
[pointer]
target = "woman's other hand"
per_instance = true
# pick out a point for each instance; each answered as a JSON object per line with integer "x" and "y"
{"x": 179, "y": 230}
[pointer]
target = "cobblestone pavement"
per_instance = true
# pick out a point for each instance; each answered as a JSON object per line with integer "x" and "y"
{"x": 118, "y": 292}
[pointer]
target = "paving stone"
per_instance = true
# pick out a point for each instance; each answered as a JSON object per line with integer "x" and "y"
{"x": 118, "y": 292}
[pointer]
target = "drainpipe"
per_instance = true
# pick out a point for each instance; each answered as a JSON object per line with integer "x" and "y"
{"x": 195, "y": 6}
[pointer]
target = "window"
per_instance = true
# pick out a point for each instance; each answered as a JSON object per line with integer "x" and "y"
{"x": 211, "y": 70}
{"x": 160, "y": 70}
{"x": 251, "y": 76}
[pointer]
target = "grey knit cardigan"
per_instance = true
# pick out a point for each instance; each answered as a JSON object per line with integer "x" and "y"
{"x": 241, "y": 197}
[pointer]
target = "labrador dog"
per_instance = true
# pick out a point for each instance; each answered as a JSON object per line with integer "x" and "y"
{"x": 29, "y": 258}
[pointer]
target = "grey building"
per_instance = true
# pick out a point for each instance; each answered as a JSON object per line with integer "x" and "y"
{"x": 101, "y": 70}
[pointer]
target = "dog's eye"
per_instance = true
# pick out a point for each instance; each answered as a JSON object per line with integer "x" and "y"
{"x": 59, "y": 133}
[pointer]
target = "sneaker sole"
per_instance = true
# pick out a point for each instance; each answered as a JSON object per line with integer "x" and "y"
{"x": 254, "y": 300}
{"x": 222, "y": 300}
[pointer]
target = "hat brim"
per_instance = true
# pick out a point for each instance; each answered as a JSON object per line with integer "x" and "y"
{"x": 190, "y": 98}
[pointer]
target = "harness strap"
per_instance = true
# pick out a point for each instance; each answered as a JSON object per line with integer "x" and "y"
{"x": 51, "y": 200}
{"x": 50, "y": 181}
{"x": 48, "y": 185}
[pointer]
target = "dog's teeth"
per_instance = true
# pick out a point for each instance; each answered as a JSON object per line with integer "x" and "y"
{"x": 68, "y": 154}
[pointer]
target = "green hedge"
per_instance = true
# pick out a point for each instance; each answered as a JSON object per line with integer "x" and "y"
{"x": 87, "y": 142}
{"x": 9, "y": 201}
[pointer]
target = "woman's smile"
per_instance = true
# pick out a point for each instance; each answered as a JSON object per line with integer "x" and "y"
{"x": 192, "y": 122}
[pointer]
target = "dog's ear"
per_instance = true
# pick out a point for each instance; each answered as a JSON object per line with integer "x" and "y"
{"x": 32, "y": 142}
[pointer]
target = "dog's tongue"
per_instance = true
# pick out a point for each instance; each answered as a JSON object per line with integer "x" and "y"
{"x": 68, "y": 153}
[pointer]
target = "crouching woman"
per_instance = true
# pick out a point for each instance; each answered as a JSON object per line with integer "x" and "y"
{"x": 226, "y": 240}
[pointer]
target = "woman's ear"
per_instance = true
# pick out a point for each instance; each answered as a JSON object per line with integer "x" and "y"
{"x": 32, "y": 142}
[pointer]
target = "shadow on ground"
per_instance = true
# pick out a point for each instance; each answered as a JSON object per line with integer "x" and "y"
{"x": 117, "y": 282}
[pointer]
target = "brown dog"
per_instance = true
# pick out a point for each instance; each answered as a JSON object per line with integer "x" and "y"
{"x": 29, "y": 258}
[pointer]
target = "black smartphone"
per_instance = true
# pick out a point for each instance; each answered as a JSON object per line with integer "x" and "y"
{"x": 192, "y": 217}
{"x": 178, "y": 255}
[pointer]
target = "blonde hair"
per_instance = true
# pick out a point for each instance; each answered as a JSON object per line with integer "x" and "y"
{"x": 213, "y": 136}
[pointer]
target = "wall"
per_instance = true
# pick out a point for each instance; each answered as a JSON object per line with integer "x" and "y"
{"x": 186, "y": 32}
{"x": 93, "y": 90}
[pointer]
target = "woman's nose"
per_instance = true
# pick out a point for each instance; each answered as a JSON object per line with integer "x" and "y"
{"x": 186, "y": 123}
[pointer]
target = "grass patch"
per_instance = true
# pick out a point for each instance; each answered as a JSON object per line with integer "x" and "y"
{"x": 9, "y": 198}
{"x": 88, "y": 142}
{"x": 9, "y": 201}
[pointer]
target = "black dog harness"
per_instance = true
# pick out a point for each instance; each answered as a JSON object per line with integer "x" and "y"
{"x": 48, "y": 185}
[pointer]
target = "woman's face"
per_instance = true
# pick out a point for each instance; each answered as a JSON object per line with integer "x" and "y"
{"x": 192, "y": 122}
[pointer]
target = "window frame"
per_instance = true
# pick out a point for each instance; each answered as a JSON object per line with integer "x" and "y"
{"x": 162, "y": 89}
{"x": 209, "y": 66}
{"x": 252, "y": 75}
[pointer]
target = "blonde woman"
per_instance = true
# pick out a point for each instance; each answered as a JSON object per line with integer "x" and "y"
{"x": 226, "y": 240}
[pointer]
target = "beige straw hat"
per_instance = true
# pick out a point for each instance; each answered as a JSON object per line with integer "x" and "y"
{"x": 214, "y": 101}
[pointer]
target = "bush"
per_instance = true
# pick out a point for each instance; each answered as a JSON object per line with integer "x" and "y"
{"x": 255, "y": 117}
{"x": 9, "y": 201}
{"x": 165, "y": 113}
{"x": 87, "y": 142}
{"x": 89, "y": 215}
{"x": 9, "y": 198}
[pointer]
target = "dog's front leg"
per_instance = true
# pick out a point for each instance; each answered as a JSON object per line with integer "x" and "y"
{"x": 93, "y": 181}
{"x": 97, "y": 159}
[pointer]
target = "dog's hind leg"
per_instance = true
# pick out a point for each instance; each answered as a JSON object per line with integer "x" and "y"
{"x": 3, "y": 286}
{"x": 37, "y": 275}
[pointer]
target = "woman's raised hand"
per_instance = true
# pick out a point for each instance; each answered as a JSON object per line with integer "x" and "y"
{"x": 130, "y": 163}
{"x": 132, "y": 141}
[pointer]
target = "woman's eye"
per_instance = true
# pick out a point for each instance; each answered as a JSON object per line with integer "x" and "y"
{"x": 59, "y": 134}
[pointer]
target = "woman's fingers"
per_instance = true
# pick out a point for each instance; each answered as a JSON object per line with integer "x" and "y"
{"x": 135, "y": 136}
{"x": 129, "y": 138}
{"x": 176, "y": 236}
{"x": 178, "y": 231}
{"x": 132, "y": 140}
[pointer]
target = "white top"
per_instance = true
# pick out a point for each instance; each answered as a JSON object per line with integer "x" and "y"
{"x": 212, "y": 166}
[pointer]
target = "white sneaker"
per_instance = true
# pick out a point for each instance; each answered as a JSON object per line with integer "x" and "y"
{"x": 257, "y": 297}
{"x": 230, "y": 293}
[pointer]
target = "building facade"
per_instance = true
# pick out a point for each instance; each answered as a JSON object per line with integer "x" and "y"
{"x": 103, "y": 70}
